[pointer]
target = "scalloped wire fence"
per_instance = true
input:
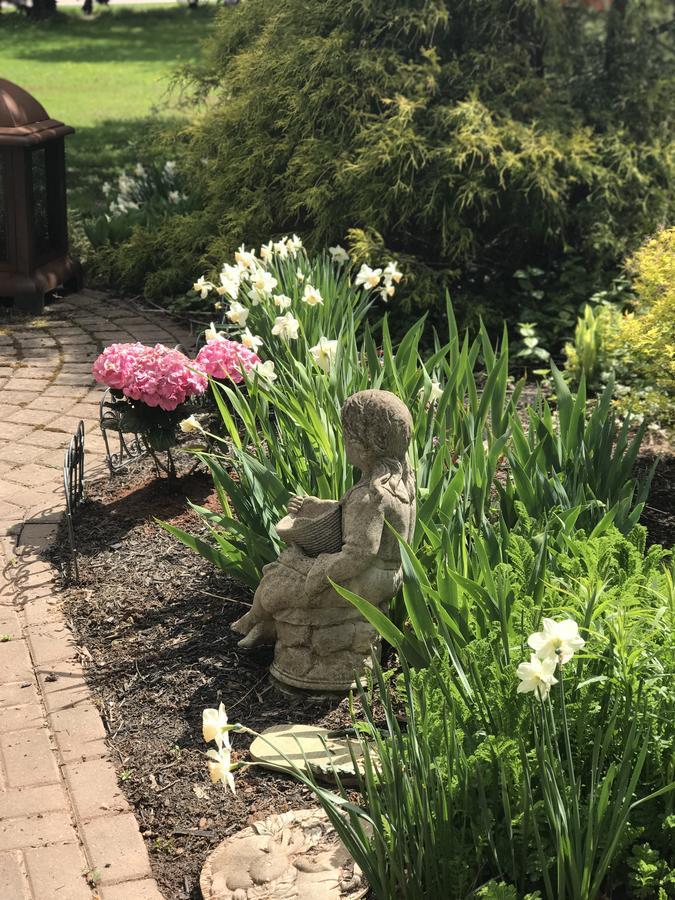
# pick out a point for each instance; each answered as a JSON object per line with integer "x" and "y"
{"x": 74, "y": 487}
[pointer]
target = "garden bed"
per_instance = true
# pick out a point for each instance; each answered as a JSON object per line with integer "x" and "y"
{"x": 151, "y": 621}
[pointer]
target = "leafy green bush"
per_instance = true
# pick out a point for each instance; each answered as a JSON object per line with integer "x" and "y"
{"x": 471, "y": 138}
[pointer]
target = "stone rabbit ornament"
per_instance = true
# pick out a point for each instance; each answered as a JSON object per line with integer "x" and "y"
{"x": 320, "y": 639}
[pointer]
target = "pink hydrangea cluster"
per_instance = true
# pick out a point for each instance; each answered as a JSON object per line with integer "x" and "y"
{"x": 158, "y": 376}
{"x": 221, "y": 358}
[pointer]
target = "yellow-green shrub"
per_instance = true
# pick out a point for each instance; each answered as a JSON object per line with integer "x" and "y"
{"x": 639, "y": 344}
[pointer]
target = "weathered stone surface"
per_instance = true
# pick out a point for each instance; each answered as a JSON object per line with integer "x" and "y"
{"x": 295, "y": 855}
{"x": 321, "y": 641}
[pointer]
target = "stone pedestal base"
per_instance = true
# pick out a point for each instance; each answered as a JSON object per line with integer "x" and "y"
{"x": 323, "y": 649}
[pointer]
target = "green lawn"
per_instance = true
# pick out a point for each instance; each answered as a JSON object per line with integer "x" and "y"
{"x": 106, "y": 75}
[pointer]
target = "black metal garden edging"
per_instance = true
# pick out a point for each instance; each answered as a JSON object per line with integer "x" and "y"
{"x": 73, "y": 486}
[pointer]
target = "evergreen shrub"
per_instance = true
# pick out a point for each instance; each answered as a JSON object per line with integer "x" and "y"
{"x": 468, "y": 138}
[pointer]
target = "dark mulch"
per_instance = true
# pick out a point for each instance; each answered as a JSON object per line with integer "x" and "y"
{"x": 151, "y": 619}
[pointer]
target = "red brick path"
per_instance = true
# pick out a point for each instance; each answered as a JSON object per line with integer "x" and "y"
{"x": 66, "y": 831}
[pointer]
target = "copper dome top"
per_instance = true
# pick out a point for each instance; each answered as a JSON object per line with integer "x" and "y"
{"x": 23, "y": 120}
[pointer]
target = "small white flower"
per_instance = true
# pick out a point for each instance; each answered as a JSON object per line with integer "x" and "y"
{"x": 265, "y": 370}
{"x": 300, "y": 275}
{"x": 369, "y": 278}
{"x": 190, "y": 424}
{"x": 281, "y": 248}
{"x": 210, "y": 334}
{"x": 311, "y": 296}
{"x": 324, "y": 353}
{"x": 391, "y": 273}
{"x": 245, "y": 258}
{"x": 267, "y": 252}
{"x": 294, "y": 244}
{"x": 174, "y": 196}
{"x": 282, "y": 301}
{"x": 338, "y": 254}
{"x": 106, "y": 187}
{"x": 537, "y": 675}
{"x": 387, "y": 291}
{"x": 252, "y": 341}
{"x": 262, "y": 285}
{"x": 435, "y": 393}
{"x": 202, "y": 287}
{"x": 558, "y": 641}
{"x": 237, "y": 314}
{"x": 215, "y": 724}
{"x": 286, "y": 327}
{"x": 230, "y": 278}
{"x": 139, "y": 170}
{"x": 170, "y": 168}
{"x": 220, "y": 767}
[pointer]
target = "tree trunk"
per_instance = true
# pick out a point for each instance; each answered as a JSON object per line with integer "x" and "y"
{"x": 42, "y": 8}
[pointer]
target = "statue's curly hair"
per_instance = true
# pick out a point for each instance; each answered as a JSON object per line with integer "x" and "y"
{"x": 379, "y": 420}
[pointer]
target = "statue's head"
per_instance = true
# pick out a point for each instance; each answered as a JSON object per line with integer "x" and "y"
{"x": 377, "y": 425}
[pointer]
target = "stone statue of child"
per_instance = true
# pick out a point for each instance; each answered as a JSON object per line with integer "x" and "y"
{"x": 320, "y": 638}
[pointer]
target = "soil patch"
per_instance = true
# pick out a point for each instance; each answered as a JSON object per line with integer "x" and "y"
{"x": 151, "y": 620}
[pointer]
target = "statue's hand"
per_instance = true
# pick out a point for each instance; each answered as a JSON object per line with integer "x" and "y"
{"x": 295, "y": 505}
{"x": 317, "y": 578}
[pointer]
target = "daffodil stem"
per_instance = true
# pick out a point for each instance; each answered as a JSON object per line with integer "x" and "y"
{"x": 568, "y": 752}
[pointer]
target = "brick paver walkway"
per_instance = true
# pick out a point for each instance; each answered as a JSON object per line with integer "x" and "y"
{"x": 66, "y": 831}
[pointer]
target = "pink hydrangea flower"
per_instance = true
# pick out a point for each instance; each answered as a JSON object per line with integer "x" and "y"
{"x": 221, "y": 358}
{"x": 116, "y": 364}
{"x": 158, "y": 376}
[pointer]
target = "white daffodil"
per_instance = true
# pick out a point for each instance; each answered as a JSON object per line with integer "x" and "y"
{"x": 190, "y": 424}
{"x": 558, "y": 641}
{"x": 324, "y": 353}
{"x": 252, "y": 341}
{"x": 174, "y": 196}
{"x": 262, "y": 285}
{"x": 281, "y": 248}
{"x": 230, "y": 278}
{"x": 387, "y": 291}
{"x": 338, "y": 254}
{"x": 211, "y": 333}
{"x": 237, "y": 314}
{"x": 391, "y": 272}
{"x": 368, "y": 278}
{"x": 537, "y": 675}
{"x": 139, "y": 170}
{"x": 266, "y": 370}
{"x": 436, "y": 392}
{"x": 267, "y": 252}
{"x": 170, "y": 167}
{"x": 202, "y": 287}
{"x": 294, "y": 244}
{"x": 311, "y": 296}
{"x": 282, "y": 301}
{"x": 245, "y": 258}
{"x": 220, "y": 767}
{"x": 286, "y": 327}
{"x": 215, "y": 726}
{"x": 300, "y": 275}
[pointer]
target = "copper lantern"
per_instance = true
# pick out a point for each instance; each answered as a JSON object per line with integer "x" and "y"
{"x": 33, "y": 227}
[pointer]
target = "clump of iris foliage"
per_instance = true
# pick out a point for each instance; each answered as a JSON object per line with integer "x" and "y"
{"x": 471, "y": 139}
{"x": 525, "y": 511}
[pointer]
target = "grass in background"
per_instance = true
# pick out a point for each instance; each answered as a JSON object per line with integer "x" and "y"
{"x": 106, "y": 75}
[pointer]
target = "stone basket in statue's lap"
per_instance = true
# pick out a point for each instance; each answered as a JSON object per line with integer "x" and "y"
{"x": 317, "y": 529}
